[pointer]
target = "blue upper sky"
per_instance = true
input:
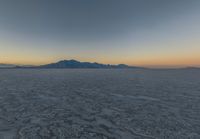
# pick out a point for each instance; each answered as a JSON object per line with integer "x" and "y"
{"x": 135, "y": 32}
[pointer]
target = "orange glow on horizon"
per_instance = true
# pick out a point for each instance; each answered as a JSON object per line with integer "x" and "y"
{"x": 146, "y": 62}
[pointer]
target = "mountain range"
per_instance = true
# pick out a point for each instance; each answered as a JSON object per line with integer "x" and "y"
{"x": 77, "y": 64}
{"x": 70, "y": 64}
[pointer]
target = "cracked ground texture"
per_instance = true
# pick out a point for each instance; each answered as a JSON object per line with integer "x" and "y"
{"x": 99, "y": 104}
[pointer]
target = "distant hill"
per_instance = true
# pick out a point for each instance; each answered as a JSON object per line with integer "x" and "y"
{"x": 7, "y": 66}
{"x": 70, "y": 64}
{"x": 77, "y": 64}
{"x": 193, "y": 68}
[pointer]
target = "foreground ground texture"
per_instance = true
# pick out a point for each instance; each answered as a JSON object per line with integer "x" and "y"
{"x": 99, "y": 104}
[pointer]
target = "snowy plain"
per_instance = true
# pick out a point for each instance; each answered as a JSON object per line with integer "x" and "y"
{"x": 99, "y": 104}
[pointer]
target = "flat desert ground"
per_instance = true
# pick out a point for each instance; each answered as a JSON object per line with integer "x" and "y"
{"x": 99, "y": 104}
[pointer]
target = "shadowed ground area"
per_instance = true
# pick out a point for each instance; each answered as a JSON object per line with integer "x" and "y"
{"x": 99, "y": 104}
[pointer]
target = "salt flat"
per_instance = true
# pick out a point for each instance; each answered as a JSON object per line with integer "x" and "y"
{"x": 99, "y": 104}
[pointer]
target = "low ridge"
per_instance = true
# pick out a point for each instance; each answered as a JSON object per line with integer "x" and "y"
{"x": 77, "y": 64}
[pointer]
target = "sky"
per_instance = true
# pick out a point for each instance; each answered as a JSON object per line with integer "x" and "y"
{"x": 151, "y": 33}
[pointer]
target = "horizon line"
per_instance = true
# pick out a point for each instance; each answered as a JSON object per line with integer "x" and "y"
{"x": 156, "y": 66}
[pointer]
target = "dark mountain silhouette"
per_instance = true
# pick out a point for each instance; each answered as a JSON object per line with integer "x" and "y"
{"x": 77, "y": 64}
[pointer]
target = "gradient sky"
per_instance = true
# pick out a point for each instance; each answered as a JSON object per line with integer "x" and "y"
{"x": 161, "y": 33}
